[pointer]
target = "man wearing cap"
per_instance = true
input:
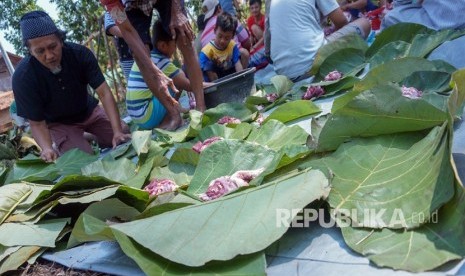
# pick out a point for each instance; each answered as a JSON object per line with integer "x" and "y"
{"x": 50, "y": 86}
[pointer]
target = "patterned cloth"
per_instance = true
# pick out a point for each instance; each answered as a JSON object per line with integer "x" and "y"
{"x": 36, "y": 24}
{"x": 217, "y": 60}
{"x": 145, "y": 109}
{"x": 241, "y": 37}
{"x": 144, "y": 5}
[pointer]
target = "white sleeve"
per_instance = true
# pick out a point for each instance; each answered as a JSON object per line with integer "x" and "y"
{"x": 326, "y": 6}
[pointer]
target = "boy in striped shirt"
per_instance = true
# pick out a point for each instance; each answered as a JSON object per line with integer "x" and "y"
{"x": 143, "y": 107}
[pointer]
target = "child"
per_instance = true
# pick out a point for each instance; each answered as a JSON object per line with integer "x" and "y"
{"x": 221, "y": 56}
{"x": 143, "y": 107}
{"x": 256, "y": 26}
{"x": 356, "y": 7}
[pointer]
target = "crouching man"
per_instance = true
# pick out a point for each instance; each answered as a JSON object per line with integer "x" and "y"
{"x": 50, "y": 89}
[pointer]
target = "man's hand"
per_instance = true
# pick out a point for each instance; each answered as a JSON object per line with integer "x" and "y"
{"x": 119, "y": 138}
{"x": 48, "y": 155}
{"x": 180, "y": 25}
{"x": 165, "y": 83}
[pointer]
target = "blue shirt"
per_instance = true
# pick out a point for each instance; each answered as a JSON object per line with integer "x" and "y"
{"x": 228, "y": 6}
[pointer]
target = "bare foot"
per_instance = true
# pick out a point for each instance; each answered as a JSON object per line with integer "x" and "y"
{"x": 171, "y": 122}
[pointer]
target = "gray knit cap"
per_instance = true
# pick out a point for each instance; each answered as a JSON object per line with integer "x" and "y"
{"x": 36, "y": 24}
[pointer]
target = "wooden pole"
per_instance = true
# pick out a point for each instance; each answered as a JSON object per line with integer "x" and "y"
{"x": 9, "y": 65}
{"x": 110, "y": 56}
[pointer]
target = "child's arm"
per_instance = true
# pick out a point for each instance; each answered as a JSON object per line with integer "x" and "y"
{"x": 212, "y": 76}
{"x": 236, "y": 59}
{"x": 338, "y": 18}
{"x": 206, "y": 64}
{"x": 358, "y": 5}
{"x": 238, "y": 66}
{"x": 182, "y": 82}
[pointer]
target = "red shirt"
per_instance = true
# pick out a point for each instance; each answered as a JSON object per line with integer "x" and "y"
{"x": 251, "y": 21}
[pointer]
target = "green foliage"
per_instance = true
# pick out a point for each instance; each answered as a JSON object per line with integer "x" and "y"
{"x": 12, "y": 10}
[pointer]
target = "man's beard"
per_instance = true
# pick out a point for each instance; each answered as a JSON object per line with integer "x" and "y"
{"x": 56, "y": 70}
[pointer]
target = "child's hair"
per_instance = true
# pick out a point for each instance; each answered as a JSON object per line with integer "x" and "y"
{"x": 226, "y": 22}
{"x": 159, "y": 33}
{"x": 251, "y": 2}
{"x": 201, "y": 22}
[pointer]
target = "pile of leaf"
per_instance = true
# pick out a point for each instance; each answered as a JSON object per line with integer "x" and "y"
{"x": 376, "y": 150}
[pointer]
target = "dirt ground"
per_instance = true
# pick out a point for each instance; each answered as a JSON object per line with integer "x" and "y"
{"x": 46, "y": 268}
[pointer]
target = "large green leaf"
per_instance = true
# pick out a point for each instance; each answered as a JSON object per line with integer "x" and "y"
{"x": 276, "y": 135}
{"x": 92, "y": 223}
{"x": 75, "y": 186}
{"x": 282, "y": 84}
{"x": 438, "y": 241}
{"x": 353, "y": 41}
{"x": 43, "y": 233}
{"x": 133, "y": 197}
{"x": 17, "y": 258}
{"x": 457, "y": 97}
{"x": 153, "y": 264}
{"x": 10, "y": 196}
{"x": 381, "y": 110}
{"x": 7, "y": 150}
{"x": 423, "y": 44}
{"x": 240, "y": 132}
{"x": 342, "y": 85}
{"x": 236, "y": 110}
{"x": 393, "y": 71}
{"x": 181, "y": 167}
{"x": 6, "y": 251}
{"x": 181, "y": 134}
{"x": 121, "y": 170}
{"x": 72, "y": 161}
{"x": 344, "y": 61}
{"x": 402, "y": 32}
{"x": 393, "y": 176}
{"x": 33, "y": 170}
{"x": 36, "y": 190}
{"x": 227, "y": 227}
{"x": 390, "y": 51}
{"x": 293, "y": 110}
{"x": 181, "y": 175}
{"x": 228, "y": 156}
{"x": 422, "y": 80}
{"x": 141, "y": 141}
{"x": 291, "y": 153}
{"x": 3, "y": 173}
{"x": 444, "y": 66}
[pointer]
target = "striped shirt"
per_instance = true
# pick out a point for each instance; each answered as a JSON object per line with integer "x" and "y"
{"x": 146, "y": 6}
{"x": 139, "y": 96}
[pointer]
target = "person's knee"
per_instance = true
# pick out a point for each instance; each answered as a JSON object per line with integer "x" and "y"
{"x": 244, "y": 53}
{"x": 257, "y": 32}
{"x": 364, "y": 25}
{"x": 245, "y": 57}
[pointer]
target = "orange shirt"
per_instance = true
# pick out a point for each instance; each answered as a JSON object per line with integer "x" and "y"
{"x": 251, "y": 21}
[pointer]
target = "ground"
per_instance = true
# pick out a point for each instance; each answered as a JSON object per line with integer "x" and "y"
{"x": 46, "y": 268}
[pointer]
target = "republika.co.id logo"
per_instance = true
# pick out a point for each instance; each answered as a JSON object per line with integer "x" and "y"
{"x": 373, "y": 218}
